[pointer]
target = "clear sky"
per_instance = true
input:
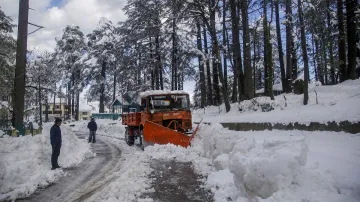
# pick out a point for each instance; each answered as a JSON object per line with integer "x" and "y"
{"x": 54, "y": 15}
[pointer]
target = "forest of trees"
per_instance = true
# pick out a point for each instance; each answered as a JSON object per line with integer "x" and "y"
{"x": 230, "y": 48}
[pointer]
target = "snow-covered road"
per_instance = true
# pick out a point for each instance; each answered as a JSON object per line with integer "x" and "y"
{"x": 85, "y": 179}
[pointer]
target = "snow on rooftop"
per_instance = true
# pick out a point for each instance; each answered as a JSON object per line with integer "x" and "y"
{"x": 85, "y": 108}
{"x": 161, "y": 92}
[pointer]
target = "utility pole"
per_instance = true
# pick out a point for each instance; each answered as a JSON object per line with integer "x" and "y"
{"x": 19, "y": 83}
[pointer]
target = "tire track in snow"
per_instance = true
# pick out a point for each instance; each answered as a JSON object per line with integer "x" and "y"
{"x": 87, "y": 178}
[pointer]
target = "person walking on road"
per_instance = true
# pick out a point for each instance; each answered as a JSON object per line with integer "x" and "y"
{"x": 92, "y": 126}
{"x": 55, "y": 140}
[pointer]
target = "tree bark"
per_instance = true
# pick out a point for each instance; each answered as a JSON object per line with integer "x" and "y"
{"x": 314, "y": 57}
{"x": 77, "y": 106}
{"x": 289, "y": 45}
{"x": 330, "y": 44}
{"x": 174, "y": 71}
{"x": 304, "y": 53}
{"x": 268, "y": 57}
{"x": 46, "y": 106}
{"x": 224, "y": 47}
{"x": 215, "y": 59}
{"x": 236, "y": 49}
{"x": 208, "y": 71}
{"x": 247, "y": 51}
{"x": 324, "y": 59}
{"x": 351, "y": 7}
{"x": 281, "y": 54}
{"x": 152, "y": 67}
{"x": 341, "y": 41}
{"x": 319, "y": 63}
{"x": 102, "y": 87}
{"x": 158, "y": 64}
{"x": 40, "y": 103}
{"x": 201, "y": 68}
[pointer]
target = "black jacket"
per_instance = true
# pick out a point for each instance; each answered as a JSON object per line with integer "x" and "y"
{"x": 55, "y": 135}
{"x": 92, "y": 126}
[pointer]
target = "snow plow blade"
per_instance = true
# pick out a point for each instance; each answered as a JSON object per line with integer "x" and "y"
{"x": 158, "y": 134}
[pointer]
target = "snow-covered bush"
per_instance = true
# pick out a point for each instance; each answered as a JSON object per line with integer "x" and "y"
{"x": 263, "y": 104}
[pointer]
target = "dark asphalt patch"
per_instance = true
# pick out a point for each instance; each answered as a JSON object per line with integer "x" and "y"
{"x": 176, "y": 182}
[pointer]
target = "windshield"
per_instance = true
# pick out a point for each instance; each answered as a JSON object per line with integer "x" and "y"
{"x": 169, "y": 102}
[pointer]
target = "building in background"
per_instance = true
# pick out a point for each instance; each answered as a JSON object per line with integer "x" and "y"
{"x": 85, "y": 112}
{"x": 59, "y": 110}
{"x": 117, "y": 105}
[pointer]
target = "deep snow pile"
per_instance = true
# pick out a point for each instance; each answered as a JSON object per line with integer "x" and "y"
{"x": 281, "y": 165}
{"x": 335, "y": 103}
{"x": 25, "y": 161}
{"x": 255, "y": 166}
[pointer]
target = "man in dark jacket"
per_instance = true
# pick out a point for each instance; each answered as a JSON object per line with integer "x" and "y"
{"x": 92, "y": 126}
{"x": 55, "y": 139}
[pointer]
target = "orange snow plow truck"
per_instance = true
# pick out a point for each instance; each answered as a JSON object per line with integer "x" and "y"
{"x": 164, "y": 117}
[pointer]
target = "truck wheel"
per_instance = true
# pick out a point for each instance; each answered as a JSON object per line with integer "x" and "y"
{"x": 129, "y": 139}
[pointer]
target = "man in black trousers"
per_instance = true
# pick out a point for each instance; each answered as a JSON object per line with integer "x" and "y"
{"x": 92, "y": 126}
{"x": 55, "y": 139}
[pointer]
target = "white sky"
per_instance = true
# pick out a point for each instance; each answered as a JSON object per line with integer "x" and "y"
{"x": 54, "y": 15}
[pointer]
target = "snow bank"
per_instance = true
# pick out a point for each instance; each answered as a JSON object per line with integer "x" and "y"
{"x": 113, "y": 128}
{"x": 25, "y": 162}
{"x": 263, "y": 166}
{"x": 280, "y": 165}
{"x": 335, "y": 103}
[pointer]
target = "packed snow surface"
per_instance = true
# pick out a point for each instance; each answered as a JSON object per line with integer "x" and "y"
{"x": 25, "y": 162}
{"x": 264, "y": 166}
{"x": 335, "y": 103}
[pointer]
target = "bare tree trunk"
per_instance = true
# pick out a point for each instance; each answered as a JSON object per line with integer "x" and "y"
{"x": 208, "y": 71}
{"x": 330, "y": 40}
{"x": 174, "y": 71}
{"x": 289, "y": 45}
{"x": 46, "y": 106}
{"x": 201, "y": 68}
{"x": 102, "y": 88}
{"x": 324, "y": 66}
{"x": 69, "y": 99}
{"x": 341, "y": 41}
{"x": 215, "y": 59}
{"x": 281, "y": 54}
{"x": 152, "y": 67}
{"x": 236, "y": 49}
{"x": 54, "y": 101}
{"x": 247, "y": 51}
{"x": 268, "y": 57}
{"x": 114, "y": 86}
{"x": 224, "y": 47}
{"x": 319, "y": 68}
{"x": 158, "y": 64}
{"x": 40, "y": 103}
{"x": 304, "y": 53}
{"x": 77, "y": 106}
{"x": 351, "y": 7}
{"x": 314, "y": 57}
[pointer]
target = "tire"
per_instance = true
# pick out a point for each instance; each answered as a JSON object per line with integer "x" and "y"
{"x": 129, "y": 139}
